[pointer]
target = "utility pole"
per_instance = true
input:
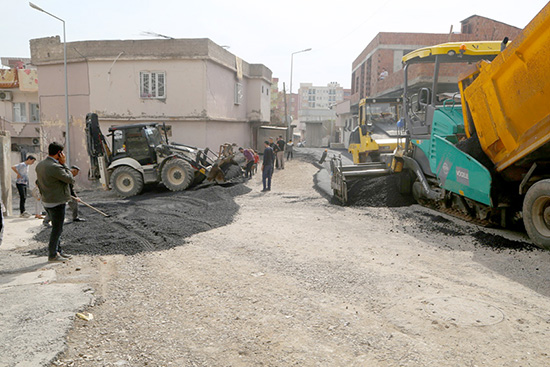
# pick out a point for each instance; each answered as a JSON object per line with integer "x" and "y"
{"x": 291, "y": 67}
{"x": 287, "y": 118}
{"x": 67, "y": 129}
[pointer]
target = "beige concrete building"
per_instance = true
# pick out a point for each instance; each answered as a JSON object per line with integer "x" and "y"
{"x": 317, "y": 115}
{"x": 344, "y": 125}
{"x": 204, "y": 93}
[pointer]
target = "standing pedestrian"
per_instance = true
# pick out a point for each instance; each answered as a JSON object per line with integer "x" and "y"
{"x": 1, "y": 215}
{"x": 22, "y": 182}
{"x": 53, "y": 180}
{"x": 275, "y": 148}
{"x": 289, "y": 150}
{"x": 281, "y": 152}
{"x": 267, "y": 167}
{"x": 249, "y": 156}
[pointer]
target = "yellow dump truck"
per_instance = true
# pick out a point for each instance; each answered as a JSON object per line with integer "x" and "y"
{"x": 506, "y": 104}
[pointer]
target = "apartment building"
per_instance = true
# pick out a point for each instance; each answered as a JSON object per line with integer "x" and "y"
{"x": 316, "y": 112}
{"x": 278, "y": 107}
{"x": 377, "y": 71}
{"x": 320, "y": 98}
{"x": 206, "y": 95}
{"x": 19, "y": 107}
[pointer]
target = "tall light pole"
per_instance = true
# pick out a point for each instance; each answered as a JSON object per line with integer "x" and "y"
{"x": 67, "y": 132}
{"x": 291, "y": 67}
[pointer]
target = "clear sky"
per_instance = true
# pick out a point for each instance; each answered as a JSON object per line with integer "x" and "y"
{"x": 258, "y": 31}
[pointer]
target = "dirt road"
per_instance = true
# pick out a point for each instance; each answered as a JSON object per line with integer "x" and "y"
{"x": 286, "y": 278}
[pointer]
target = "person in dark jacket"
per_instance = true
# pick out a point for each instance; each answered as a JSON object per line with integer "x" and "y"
{"x": 275, "y": 149}
{"x": 53, "y": 180}
{"x": 73, "y": 203}
{"x": 280, "y": 152}
{"x": 267, "y": 166}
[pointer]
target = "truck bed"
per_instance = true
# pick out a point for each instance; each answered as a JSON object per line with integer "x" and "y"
{"x": 508, "y": 102}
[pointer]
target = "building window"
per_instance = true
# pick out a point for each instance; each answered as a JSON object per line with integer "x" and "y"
{"x": 152, "y": 84}
{"x": 238, "y": 93}
{"x": 19, "y": 112}
{"x": 34, "y": 112}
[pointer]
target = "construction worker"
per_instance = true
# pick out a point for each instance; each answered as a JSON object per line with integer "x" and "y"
{"x": 267, "y": 166}
{"x": 53, "y": 180}
{"x": 249, "y": 156}
{"x": 73, "y": 203}
{"x": 280, "y": 152}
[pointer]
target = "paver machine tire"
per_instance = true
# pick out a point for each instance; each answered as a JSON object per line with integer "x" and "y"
{"x": 126, "y": 181}
{"x": 536, "y": 213}
{"x": 177, "y": 174}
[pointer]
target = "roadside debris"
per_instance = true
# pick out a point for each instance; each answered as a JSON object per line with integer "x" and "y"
{"x": 85, "y": 316}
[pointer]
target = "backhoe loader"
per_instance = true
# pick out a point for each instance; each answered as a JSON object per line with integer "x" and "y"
{"x": 141, "y": 154}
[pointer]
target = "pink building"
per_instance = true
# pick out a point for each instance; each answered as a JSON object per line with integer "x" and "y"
{"x": 205, "y": 94}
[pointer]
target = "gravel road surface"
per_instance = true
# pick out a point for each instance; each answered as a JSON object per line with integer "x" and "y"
{"x": 231, "y": 276}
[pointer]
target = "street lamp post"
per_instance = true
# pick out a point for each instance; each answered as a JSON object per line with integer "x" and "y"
{"x": 291, "y": 67}
{"x": 67, "y": 132}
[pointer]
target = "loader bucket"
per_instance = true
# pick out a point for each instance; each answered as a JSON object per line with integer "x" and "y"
{"x": 215, "y": 174}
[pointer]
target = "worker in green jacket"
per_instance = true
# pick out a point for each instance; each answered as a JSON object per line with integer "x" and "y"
{"x": 53, "y": 180}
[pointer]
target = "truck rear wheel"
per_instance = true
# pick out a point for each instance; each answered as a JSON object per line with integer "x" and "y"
{"x": 536, "y": 213}
{"x": 177, "y": 174}
{"x": 126, "y": 181}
